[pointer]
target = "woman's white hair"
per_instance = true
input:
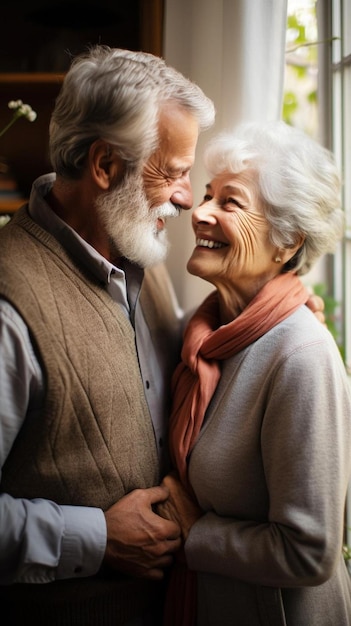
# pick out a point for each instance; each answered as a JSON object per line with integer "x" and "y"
{"x": 298, "y": 182}
{"x": 116, "y": 95}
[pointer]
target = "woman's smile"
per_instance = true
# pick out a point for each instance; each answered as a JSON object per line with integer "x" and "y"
{"x": 209, "y": 243}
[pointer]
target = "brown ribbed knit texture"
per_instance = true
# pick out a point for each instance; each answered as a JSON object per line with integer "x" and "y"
{"x": 94, "y": 441}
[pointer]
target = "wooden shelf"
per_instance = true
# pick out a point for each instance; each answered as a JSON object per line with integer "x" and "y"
{"x": 8, "y": 207}
{"x": 32, "y": 78}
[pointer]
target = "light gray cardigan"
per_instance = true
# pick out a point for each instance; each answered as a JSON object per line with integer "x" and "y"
{"x": 271, "y": 469}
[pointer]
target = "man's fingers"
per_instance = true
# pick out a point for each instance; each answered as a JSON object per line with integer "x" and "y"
{"x": 157, "y": 494}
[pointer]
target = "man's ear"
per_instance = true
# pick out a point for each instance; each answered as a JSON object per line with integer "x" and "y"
{"x": 105, "y": 165}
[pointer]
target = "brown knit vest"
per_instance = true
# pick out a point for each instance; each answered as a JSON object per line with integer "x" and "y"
{"x": 94, "y": 440}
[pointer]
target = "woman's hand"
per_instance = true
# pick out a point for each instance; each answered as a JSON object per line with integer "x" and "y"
{"x": 179, "y": 506}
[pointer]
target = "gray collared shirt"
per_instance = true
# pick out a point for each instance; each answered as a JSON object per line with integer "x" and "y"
{"x": 75, "y": 538}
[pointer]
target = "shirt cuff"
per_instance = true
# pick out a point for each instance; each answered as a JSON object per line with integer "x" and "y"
{"x": 83, "y": 542}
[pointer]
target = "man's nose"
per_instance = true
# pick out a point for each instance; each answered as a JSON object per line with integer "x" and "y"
{"x": 183, "y": 195}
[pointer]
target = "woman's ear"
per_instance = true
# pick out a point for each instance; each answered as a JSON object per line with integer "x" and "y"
{"x": 285, "y": 254}
{"x": 105, "y": 165}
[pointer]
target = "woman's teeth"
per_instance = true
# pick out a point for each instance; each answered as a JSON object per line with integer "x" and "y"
{"x": 207, "y": 243}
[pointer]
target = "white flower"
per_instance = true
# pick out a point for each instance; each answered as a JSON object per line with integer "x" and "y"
{"x": 19, "y": 110}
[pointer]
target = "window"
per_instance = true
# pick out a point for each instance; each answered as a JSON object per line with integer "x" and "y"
{"x": 340, "y": 81}
{"x": 334, "y": 19}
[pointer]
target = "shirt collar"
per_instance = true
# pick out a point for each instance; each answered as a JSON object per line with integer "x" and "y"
{"x": 82, "y": 251}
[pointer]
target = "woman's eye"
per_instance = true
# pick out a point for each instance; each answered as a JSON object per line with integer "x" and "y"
{"x": 232, "y": 200}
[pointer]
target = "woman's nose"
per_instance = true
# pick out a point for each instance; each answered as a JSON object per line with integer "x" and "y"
{"x": 204, "y": 213}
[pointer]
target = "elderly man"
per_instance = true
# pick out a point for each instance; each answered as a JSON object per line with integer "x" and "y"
{"x": 88, "y": 343}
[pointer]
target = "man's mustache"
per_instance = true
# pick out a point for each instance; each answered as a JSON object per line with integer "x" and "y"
{"x": 168, "y": 209}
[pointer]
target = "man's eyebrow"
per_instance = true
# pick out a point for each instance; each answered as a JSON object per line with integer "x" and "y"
{"x": 179, "y": 169}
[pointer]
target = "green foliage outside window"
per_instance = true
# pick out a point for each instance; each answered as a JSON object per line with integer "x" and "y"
{"x": 330, "y": 311}
{"x": 300, "y": 94}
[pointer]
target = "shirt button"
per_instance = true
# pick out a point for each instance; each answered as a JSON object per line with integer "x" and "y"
{"x": 78, "y": 569}
{"x": 147, "y": 384}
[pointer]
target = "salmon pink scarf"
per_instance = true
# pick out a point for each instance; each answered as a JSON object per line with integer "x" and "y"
{"x": 194, "y": 383}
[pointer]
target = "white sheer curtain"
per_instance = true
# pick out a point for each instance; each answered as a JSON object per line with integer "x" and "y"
{"x": 234, "y": 49}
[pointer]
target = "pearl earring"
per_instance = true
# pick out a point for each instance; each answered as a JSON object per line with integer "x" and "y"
{"x": 277, "y": 259}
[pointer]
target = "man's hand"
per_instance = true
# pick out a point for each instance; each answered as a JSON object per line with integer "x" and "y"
{"x": 316, "y": 304}
{"x": 140, "y": 542}
{"x": 179, "y": 506}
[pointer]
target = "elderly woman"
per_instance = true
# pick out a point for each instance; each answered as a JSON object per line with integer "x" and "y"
{"x": 261, "y": 424}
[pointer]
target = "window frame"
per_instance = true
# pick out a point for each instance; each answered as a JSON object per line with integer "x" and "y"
{"x": 334, "y": 74}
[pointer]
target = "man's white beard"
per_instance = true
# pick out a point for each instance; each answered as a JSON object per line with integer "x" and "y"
{"x": 132, "y": 225}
